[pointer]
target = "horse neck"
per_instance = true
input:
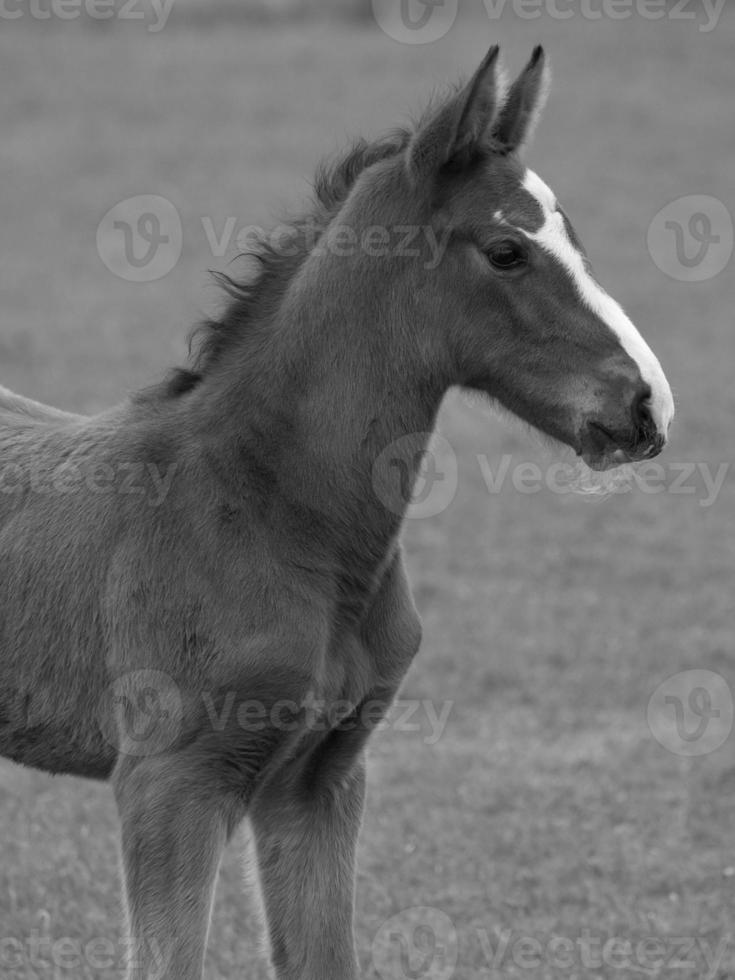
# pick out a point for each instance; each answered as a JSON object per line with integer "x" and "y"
{"x": 314, "y": 401}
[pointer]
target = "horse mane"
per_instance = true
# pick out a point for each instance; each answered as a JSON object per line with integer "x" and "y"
{"x": 254, "y": 299}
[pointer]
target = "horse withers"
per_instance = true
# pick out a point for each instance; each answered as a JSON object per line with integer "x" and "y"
{"x": 186, "y": 639}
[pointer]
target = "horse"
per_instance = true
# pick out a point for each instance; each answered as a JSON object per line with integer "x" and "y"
{"x": 203, "y": 597}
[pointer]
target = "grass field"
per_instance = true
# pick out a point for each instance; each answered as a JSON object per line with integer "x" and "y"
{"x": 546, "y": 808}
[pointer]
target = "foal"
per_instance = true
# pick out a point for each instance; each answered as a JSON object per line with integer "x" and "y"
{"x": 224, "y": 649}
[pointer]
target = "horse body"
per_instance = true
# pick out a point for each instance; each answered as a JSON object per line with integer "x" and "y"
{"x": 56, "y": 540}
{"x": 203, "y": 596}
{"x": 100, "y": 578}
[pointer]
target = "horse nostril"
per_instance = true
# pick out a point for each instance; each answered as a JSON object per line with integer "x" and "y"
{"x": 642, "y": 417}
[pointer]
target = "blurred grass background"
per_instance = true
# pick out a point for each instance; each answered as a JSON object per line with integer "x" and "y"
{"x": 546, "y": 807}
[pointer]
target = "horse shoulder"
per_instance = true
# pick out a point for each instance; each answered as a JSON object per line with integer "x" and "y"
{"x": 392, "y": 629}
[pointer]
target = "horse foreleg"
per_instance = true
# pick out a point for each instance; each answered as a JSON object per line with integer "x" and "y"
{"x": 174, "y": 827}
{"x": 306, "y": 831}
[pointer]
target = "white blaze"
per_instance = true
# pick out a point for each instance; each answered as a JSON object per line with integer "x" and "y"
{"x": 553, "y": 237}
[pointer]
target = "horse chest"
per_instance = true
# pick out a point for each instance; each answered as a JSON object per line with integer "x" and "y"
{"x": 370, "y": 657}
{"x": 352, "y": 667}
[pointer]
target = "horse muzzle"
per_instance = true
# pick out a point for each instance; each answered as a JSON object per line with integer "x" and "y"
{"x": 608, "y": 441}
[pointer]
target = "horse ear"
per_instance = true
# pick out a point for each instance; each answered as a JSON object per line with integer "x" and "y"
{"x": 516, "y": 122}
{"x": 460, "y": 126}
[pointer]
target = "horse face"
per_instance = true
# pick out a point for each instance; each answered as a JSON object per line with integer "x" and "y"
{"x": 529, "y": 323}
{"x": 539, "y": 333}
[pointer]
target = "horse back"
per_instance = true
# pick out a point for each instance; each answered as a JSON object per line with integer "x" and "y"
{"x": 16, "y": 407}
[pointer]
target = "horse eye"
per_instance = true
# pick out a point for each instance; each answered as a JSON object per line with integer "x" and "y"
{"x": 506, "y": 255}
